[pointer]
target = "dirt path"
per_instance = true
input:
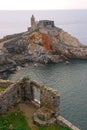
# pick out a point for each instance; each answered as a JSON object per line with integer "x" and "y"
{"x": 28, "y": 111}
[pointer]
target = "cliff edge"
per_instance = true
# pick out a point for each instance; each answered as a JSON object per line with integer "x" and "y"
{"x": 43, "y": 43}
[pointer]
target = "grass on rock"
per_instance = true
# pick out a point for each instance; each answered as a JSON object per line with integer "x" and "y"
{"x": 54, "y": 127}
{"x": 16, "y": 119}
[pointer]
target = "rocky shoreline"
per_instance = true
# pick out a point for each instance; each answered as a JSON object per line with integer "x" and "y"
{"x": 43, "y": 43}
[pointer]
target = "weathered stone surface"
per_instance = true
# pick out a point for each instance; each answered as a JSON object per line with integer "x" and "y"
{"x": 48, "y": 112}
{"x": 25, "y": 89}
{"x": 8, "y": 99}
{"x": 50, "y": 98}
{"x": 45, "y": 113}
{"x": 42, "y": 43}
{"x": 62, "y": 121}
{"x": 7, "y": 65}
{"x": 5, "y": 83}
{"x": 17, "y": 46}
{"x": 66, "y": 38}
{"x": 40, "y": 122}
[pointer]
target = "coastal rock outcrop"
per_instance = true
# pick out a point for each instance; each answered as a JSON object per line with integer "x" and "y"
{"x": 42, "y": 43}
{"x": 7, "y": 65}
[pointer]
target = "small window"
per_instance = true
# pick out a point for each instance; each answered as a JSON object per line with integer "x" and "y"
{"x": 36, "y": 94}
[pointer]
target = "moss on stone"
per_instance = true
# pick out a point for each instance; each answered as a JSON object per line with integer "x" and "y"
{"x": 2, "y": 88}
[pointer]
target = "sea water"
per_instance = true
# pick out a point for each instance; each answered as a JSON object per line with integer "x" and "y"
{"x": 69, "y": 80}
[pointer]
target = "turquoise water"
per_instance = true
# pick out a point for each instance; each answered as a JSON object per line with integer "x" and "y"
{"x": 70, "y": 81}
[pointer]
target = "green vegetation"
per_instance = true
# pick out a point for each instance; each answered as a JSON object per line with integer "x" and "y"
{"x": 15, "y": 119}
{"x": 54, "y": 127}
{"x": 25, "y": 78}
{"x": 2, "y": 88}
{"x": 18, "y": 121}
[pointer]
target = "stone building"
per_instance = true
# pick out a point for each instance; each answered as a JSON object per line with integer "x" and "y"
{"x": 45, "y": 23}
{"x": 33, "y": 22}
{"x": 40, "y": 24}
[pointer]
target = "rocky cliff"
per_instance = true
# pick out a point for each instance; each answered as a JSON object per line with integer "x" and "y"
{"x": 42, "y": 45}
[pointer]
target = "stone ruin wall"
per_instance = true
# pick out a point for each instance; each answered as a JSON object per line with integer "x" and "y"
{"x": 50, "y": 98}
{"x": 24, "y": 89}
{"x": 8, "y": 98}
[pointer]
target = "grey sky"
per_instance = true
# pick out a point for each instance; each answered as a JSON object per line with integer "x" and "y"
{"x": 42, "y": 4}
{"x": 18, "y": 21}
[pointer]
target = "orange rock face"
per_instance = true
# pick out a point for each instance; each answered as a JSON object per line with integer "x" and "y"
{"x": 46, "y": 42}
{"x": 44, "y": 39}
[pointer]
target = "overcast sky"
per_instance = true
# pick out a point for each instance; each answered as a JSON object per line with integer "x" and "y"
{"x": 42, "y": 4}
{"x": 18, "y": 21}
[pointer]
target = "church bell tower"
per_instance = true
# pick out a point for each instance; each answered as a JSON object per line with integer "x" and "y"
{"x": 33, "y": 23}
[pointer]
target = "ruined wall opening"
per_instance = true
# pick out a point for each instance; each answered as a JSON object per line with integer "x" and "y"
{"x": 36, "y": 92}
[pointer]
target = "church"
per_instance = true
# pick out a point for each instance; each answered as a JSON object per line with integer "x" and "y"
{"x": 40, "y": 24}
